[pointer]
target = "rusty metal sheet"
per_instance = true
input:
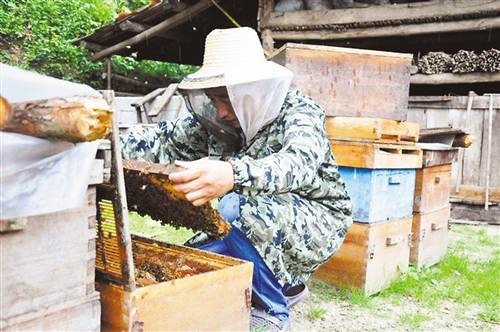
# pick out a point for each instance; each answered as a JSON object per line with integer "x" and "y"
{"x": 350, "y": 82}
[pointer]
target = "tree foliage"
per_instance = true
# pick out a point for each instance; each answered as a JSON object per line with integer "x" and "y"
{"x": 37, "y": 35}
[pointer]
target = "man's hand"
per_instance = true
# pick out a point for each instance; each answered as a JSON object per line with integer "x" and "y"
{"x": 202, "y": 180}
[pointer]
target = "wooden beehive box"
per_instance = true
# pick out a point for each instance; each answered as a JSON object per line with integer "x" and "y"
{"x": 376, "y": 155}
{"x": 371, "y": 129}
{"x": 350, "y": 82}
{"x": 429, "y": 237}
{"x": 379, "y": 194}
{"x": 432, "y": 188}
{"x": 371, "y": 256}
{"x": 149, "y": 285}
{"x": 205, "y": 292}
{"x": 47, "y": 278}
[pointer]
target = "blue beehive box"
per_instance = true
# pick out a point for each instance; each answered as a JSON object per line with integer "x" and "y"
{"x": 379, "y": 194}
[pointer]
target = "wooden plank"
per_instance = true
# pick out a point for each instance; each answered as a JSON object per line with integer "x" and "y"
{"x": 389, "y": 261}
{"x": 398, "y": 12}
{"x": 167, "y": 24}
{"x": 439, "y": 157}
{"x": 473, "y": 154}
{"x": 371, "y": 256}
{"x": 119, "y": 202}
{"x": 417, "y": 115}
{"x": 350, "y": 82}
{"x": 437, "y": 118}
{"x": 449, "y": 78}
{"x": 476, "y": 213}
{"x": 78, "y": 315}
{"x": 476, "y": 194}
{"x": 333, "y": 33}
{"x": 97, "y": 172}
{"x": 160, "y": 102}
{"x": 375, "y": 129}
{"x": 348, "y": 266}
{"x": 432, "y": 188}
{"x": 375, "y": 155}
{"x": 429, "y": 237}
{"x": 450, "y": 102}
{"x": 52, "y": 266}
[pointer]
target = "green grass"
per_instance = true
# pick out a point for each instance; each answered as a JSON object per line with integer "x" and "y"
{"x": 457, "y": 278}
{"x": 327, "y": 293}
{"x": 316, "y": 312}
{"x": 144, "y": 226}
{"x": 413, "y": 321}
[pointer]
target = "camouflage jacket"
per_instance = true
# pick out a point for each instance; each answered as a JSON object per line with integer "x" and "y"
{"x": 294, "y": 206}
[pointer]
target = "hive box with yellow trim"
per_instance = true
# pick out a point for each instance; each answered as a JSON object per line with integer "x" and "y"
{"x": 371, "y": 256}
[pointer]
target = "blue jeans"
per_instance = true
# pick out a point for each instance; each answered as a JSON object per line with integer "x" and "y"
{"x": 267, "y": 293}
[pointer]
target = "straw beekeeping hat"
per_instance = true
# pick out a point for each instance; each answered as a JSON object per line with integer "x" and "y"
{"x": 232, "y": 56}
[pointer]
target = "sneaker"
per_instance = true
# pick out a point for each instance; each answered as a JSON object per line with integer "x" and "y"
{"x": 296, "y": 294}
{"x": 261, "y": 321}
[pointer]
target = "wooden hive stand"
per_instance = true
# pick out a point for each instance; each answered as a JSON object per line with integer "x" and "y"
{"x": 371, "y": 129}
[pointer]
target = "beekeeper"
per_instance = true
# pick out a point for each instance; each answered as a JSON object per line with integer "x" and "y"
{"x": 269, "y": 164}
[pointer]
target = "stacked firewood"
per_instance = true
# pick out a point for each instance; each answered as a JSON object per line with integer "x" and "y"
{"x": 435, "y": 63}
{"x": 465, "y": 62}
{"x": 489, "y": 60}
{"x": 461, "y": 62}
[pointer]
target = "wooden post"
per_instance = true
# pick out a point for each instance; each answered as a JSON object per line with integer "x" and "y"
{"x": 267, "y": 42}
{"x": 461, "y": 152}
{"x": 108, "y": 73}
{"x": 120, "y": 203}
{"x": 488, "y": 151}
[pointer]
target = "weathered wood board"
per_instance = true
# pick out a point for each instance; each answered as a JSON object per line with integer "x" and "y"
{"x": 49, "y": 262}
{"x": 218, "y": 300}
{"x": 429, "y": 237}
{"x": 371, "y": 256}
{"x": 432, "y": 188}
{"x": 350, "y": 82}
{"x": 445, "y": 111}
{"x": 439, "y": 157}
{"x": 79, "y": 315}
{"x": 371, "y": 129}
{"x": 376, "y": 155}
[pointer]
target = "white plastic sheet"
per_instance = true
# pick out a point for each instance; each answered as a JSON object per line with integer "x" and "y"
{"x": 39, "y": 176}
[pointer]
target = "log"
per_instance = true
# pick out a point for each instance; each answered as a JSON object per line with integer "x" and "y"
{"x": 463, "y": 141}
{"x": 74, "y": 119}
{"x": 4, "y": 112}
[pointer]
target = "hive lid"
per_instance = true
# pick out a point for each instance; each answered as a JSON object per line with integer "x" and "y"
{"x": 150, "y": 192}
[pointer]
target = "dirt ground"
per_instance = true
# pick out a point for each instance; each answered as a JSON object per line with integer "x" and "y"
{"x": 328, "y": 309}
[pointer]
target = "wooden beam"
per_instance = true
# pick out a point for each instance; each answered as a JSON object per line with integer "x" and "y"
{"x": 449, "y": 78}
{"x": 132, "y": 26}
{"x": 393, "y": 12}
{"x": 399, "y": 30}
{"x": 126, "y": 80}
{"x": 169, "y": 23}
{"x": 162, "y": 100}
{"x": 92, "y": 46}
